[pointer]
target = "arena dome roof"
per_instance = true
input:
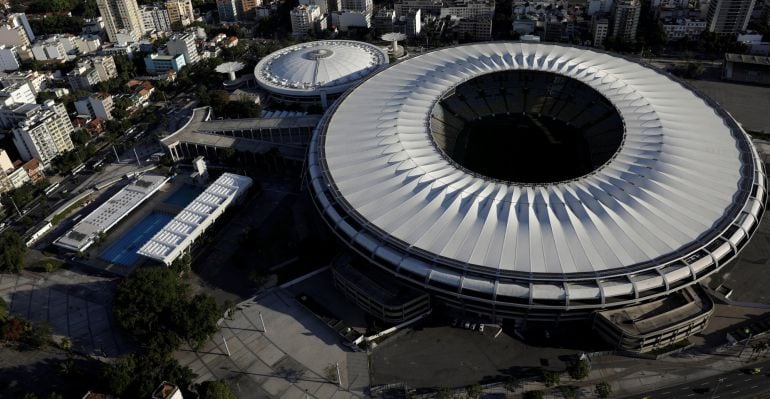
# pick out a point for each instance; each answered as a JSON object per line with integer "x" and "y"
{"x": 675, "y": 195}
{"x": 330, "y": 65}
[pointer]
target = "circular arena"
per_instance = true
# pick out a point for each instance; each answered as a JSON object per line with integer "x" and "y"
{"x": 317, "y": 72}
{"x": 514, "y": 178}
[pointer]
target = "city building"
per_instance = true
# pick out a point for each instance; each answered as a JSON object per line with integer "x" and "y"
{"x": 85, "y": 232}
{"x": 91, "y": 71}
{"x": 13, "y": 178}
{"x": 729, "y": 17}
{"x": 158, "y": 64}
{"x": 45, "y": 134}
{"x": 524, "y": 24}
{"x": 228, "y": 10}
{"x": 364, "y": 6}
{"x": 183, "y": 44}
{"x": 121, "y": 16}
{"x": 625, "y": 19}
{"x": 683, "y": 28}
{"x": 155, "y": 18}
{"x": 303, "y": 19}
{"x": 178, "y": 235}
{"x": 411, "y": 22}
{"x": 9, "y": 58}
{"x": 16, "y": 31}
{"x": 98, "y": 105}
{"x": 180, "y": 12}
{"x": 51, "y": 49}
{"x": 474, "y": 17}
{"x": 317, "y": 72}
{"x": 600, "y": 27}
{"x": 17, "y": 93}
{"x": 323, "y": 5}
{"x": 343, "y": 20}
{"x": 248, "y": 8}
{"x": 499, "y": 234}
{"x": 747, "y": 68}
{"x": 37, "y": 80}
{"x": 383, "y": 21}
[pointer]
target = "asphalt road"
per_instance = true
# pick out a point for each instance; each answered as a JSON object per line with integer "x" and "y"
{"x": 736, "y": 384}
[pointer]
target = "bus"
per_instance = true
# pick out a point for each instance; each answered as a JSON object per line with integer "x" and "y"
{"x": 50, "y": 189}
{"x": 78, "y": 169}
{"x": 98, "y": 163}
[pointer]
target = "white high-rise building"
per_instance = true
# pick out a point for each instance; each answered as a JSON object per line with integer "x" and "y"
{"x": 156, "y": 19}
{"x": 183, "y": 44}
{"x": 625, "y": 19}
{"x": 121, "y": 16}
{"x": 365, "y": 6}
{"x": 17, "y": 93}
{"x": 600, "y": 27}
{"x": 96, "y": 106}
{"x": 45, "y": 135}
{"x": 303, "y": 19}
{"x": 180, "y": 11}
{"x": 16, "y": 31}
{"x": 729, "y": 16}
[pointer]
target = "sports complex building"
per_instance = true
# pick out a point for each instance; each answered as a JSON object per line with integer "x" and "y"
{"x": 317, "y": 72}
{"x": 540, "y": 182}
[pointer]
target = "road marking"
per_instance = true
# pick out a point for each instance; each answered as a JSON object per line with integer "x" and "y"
{"x": 706, "y": 383}
{"x": 748, "y": 379}
{"x": 755, "y": 386}
{"x": 736, "y": 391}
{"x": 729, "y": 385}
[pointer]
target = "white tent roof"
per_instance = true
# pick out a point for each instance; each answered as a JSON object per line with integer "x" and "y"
{"x": 679, "y": 174}
{"x": 329, "y": 65}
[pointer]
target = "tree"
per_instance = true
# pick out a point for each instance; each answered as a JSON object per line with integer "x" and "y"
{"x": 533, "y": 395}
{"x": 136, "y": 376}
{"x": 215, "y": 390}
{"x": 444, "y": 393}
{"x": 3, "y": 310}
{"x": 474, "y": 391}
{"x": 603, "y": 390}
{"x": 569, "y": 392}
{"x": 551, "y": 378}
{"x": 182, "y": 264}
{"x": 12, "y": 250}
{"x": 580, "y": 369}
{"x": 155, "y": 308}
{"x": 511, "y": 384}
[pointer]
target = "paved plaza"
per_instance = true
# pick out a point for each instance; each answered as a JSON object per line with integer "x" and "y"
{"x": 293, "y": 358}
{"x": 75, "y": 305}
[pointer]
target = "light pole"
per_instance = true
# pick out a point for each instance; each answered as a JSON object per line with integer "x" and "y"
{"x": 747, "y": 331}
{"x": 719, "y": 381}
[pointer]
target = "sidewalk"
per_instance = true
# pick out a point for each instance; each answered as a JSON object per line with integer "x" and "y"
{"x": 296, "y": 355}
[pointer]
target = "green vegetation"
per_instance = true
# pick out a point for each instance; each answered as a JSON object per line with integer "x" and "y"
{"x": 12, "y": 250}
{"x": 215, "y": 390}
{"x": 25, "y": 334}
{"x": 3, "y": 310}
{"x": 474, "y": 391}
{"x": 603, "y": 390}
{"x": 511, "y": 384}
{"x": 46, "y": 265}
{"x": 671, "y": 347}
{"x": 183, "y": 264}
{"x": 154, "y": 307}
{"x": 59, "y": 217}
{"x": 136, "y": 376}
{"x": 533, "y": 395}
{"x": 580, "y": 369}
{"x": 551, "y": 378}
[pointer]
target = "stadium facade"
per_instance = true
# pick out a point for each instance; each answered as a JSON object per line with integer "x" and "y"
{"x": 537, "y": 181}
{"x": 317, "y": 72}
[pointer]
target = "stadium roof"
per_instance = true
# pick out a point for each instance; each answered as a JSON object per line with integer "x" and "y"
{"x": 330, "y": 66}
{"x": 195, "y": 218}
{"x": 682, "y": 175}
{"x": 108, "y": 214}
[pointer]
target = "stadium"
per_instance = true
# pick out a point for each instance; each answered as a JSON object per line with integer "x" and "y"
{"x": 317, "y": 72}
{"x": 545, "y": 182}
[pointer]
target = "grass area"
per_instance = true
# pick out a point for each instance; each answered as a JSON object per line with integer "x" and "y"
{"x": 46, "y": 265}
{"x": 59, "y": 217}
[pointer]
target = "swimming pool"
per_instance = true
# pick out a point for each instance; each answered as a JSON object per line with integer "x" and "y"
{"x": 123, "y": 251}
{"x": 183, "y": 195}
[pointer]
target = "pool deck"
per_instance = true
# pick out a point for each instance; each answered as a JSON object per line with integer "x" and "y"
{"x": 155, "y": 204}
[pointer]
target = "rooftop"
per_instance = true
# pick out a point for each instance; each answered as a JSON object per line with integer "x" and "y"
{"x": 195, "y": 218}
{"x": 747, "y": 59}
{"x": 84, "y": 233}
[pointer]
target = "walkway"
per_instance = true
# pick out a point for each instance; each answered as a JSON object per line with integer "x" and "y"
{"x": 297, "y": 355}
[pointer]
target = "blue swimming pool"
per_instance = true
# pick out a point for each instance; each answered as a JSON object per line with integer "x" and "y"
{"x": 123, "y": 251}
{"x": 183, "y": 195}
